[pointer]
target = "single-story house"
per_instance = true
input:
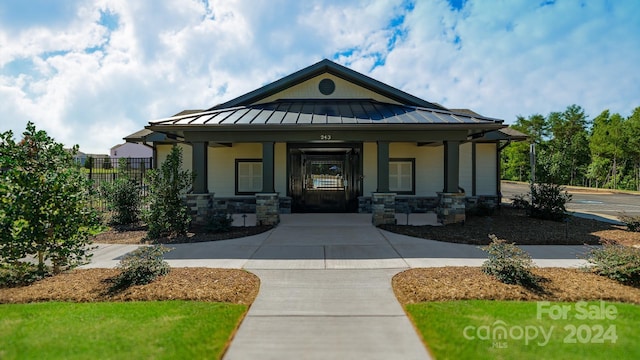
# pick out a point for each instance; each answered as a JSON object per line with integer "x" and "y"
{"x": 329, "y": 139}
{"x": 139, "y": 154}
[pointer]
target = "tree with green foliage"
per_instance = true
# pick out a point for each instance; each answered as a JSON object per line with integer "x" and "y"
{"x": 564, "y": 159}
{"x": 632, "y": 131}
{"x": 516, "y": 162}
{"x": 45, "y": 210}
{"x": 607, "y": 143}
{"x": 123, "y": 196}
{"x": 168, "y": 215}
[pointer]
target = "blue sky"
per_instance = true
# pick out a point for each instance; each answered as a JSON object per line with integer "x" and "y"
{"x": 92, "y": 72}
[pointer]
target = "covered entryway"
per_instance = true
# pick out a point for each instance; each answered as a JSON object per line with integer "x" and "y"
{"x": 325, "y": 177}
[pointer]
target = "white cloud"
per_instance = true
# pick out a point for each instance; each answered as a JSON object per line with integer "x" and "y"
{"x": 92, "y": 83}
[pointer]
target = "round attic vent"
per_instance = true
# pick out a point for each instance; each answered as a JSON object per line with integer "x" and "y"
{"x": 327, "y": 86}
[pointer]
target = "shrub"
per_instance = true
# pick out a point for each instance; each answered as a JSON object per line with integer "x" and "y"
{"x": 520, "y": 202}
{"x": 632, "y": 221}
{"x": 123, "y": 197}
{"x": 167, "y": 213}
{"x": 19, "y": 274}
{"x": 142, "y": 266}
{"x": 508, "y": 263}
{"x": 617, "y": 262}
{"x": 219, "y": 222}
{"x": 548, "y": 202}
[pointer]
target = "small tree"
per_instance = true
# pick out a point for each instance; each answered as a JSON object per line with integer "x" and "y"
{"x": 123, "y": 196}
{"x": 45, "y": 198}
{"x": 168, "y": 215}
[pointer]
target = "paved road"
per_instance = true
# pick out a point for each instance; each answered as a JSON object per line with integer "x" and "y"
{"x": 604, "y": 203}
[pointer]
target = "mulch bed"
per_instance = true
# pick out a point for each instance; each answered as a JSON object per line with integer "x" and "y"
{"x": 516, "y": 227}
{"x": 138, "y": 235}
{"x": 466, "y": 283}
{"x": 415, "y": 285}
{"x": 91, "y": 285}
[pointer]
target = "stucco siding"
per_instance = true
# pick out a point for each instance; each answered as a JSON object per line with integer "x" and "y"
{"x": 187, "y": 156}
{"x": 486, "y": 169}
{"x": 343, "y": 90}
{"x": 370, "y": 168}
{"x": 222, "y": 166}
{"x": 429, "y": 165}
{"x": 466, "y": 169}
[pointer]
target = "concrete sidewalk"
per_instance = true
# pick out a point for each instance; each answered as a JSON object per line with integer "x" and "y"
{"x": 326, "y": 284}
{"x": 326, "y": 314}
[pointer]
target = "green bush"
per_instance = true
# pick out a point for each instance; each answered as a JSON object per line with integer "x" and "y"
{"x": 19, "y": 274}
{"x": 123, "y": 197}
{"x": 520, "y": 202}
{"x": 168, "y": 215}
{"x": 617, "y": 262}
{"x": 142, "y": 266}
{"x": 508, "y": 263}
{"x": 548, "y": 202}
{"x": 219, "y": 222}
{"x": 632, "y": 222}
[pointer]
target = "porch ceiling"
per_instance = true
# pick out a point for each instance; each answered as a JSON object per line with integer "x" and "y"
{"x": 305, "y": 115}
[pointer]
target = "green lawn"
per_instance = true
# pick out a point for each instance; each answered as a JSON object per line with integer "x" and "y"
{"x": 134, "y": 330}
{"x": 472, "y": 330}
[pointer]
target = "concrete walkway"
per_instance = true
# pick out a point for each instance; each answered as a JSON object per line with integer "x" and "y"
{"x": 326, "y": 284}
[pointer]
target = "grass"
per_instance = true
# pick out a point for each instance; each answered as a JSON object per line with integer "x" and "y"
{"x": 133, "y": 330}
{"x": 443, "y": 324}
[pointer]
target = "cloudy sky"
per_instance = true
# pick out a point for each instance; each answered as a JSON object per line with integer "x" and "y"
{"x": 91, "y": 72}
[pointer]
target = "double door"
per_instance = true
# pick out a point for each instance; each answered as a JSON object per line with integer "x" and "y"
{"x": 324, "y": 181}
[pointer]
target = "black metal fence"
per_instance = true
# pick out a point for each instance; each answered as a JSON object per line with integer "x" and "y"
{"x": 101, "y": 170}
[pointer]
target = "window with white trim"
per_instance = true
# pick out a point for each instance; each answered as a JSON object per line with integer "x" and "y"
{"x": 401, "y": 176}
{"x": 248, "y": 176}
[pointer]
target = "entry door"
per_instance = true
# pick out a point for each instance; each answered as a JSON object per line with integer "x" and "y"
{"x": 324, "y": 180}
{"x": 325, "y": 183}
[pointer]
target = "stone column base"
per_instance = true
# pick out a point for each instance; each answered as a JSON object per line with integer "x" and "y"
{"x": 200, "y": 207}
{"x": 267, "y": 209}
{"x": 383, "y": 208}
{"x": 451, "y": 208}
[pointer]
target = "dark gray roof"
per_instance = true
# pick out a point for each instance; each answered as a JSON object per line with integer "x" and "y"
{"x": 325, "y": 112}
{"x": 137, "y": 136}
{"x": 328, "y": 66}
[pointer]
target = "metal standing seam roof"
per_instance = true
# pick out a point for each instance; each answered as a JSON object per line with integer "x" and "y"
{"x": 324, "y": 112}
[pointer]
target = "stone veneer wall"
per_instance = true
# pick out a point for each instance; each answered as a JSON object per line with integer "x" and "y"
{"x": 451, "y": 208}
{"x": 267, "y": 209}
{"x": 426, "y": 204}
{"x": 383, "y": 206}
{"x": 200, "y": 206}
{"x": 247, "y": 205}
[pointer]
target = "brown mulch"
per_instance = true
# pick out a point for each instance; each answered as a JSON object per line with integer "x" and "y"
{"x": 466, "y": 283}
{"x": 91, "y": 285}
{"x": 516, "y": 227}
{"x": 415, "y": 285}
{"x": 138, "y": 235}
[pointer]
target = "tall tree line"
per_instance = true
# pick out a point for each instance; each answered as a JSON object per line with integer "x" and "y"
{"x": 573, "y": 150}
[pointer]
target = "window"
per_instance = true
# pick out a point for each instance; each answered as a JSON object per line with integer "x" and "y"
{"x": 401, "y": 176}
{"x": 248, "y": 176}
